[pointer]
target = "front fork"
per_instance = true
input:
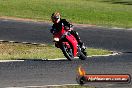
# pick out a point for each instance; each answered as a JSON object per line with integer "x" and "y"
{"x": 79, "y": 50}
{"x": 57, "y": 44}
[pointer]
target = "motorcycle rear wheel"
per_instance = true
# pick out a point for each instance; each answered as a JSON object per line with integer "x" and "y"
{"x": 82, "y": 54}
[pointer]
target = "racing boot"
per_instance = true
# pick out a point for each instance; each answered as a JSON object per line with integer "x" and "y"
{"x": 80, "y": 43}
{"x": 82, "y": 46}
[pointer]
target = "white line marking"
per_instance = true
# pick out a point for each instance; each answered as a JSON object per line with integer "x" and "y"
{"x": 45, "y": 86}
{"x": 117, "y": 28}
{"x": 2, "y": 40}
{"x": 90, "y": 56}
{"x": 25, "y": 42}
{"x": 61, "y": 58}
{"x": 130, "y": 29}
{"x": 12, "y": 41}
{"x": 10, "y": 60}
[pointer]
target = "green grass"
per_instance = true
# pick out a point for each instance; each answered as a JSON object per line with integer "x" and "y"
{"x": 100, "y": 12}
{"x": 22, "y": 51}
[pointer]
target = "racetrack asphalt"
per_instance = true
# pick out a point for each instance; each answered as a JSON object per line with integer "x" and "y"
{"x": 40, "y": 73}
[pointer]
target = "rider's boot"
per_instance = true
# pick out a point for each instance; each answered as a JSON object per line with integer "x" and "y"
{"x": 81, "y": 45}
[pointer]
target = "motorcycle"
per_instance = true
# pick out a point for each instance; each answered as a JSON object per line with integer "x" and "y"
{"x": 68, "y": 44}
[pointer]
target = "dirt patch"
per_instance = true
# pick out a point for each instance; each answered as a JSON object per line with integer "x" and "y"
{"x": 40, "y": 21}
{"x": 22, "y": 19}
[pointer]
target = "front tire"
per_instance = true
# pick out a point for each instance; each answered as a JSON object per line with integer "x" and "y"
{"x": 67, "y": 52}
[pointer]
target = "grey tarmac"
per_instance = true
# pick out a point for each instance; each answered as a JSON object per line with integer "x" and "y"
{"x": 40, "y": 73}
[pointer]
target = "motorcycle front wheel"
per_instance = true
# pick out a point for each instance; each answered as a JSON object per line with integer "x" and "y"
{"x": 67, "y": 52}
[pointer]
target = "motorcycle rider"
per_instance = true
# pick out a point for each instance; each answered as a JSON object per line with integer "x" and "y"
{"x": 57, "y": 26}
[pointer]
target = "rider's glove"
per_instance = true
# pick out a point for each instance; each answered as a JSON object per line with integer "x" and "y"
{"x": 52, "y": 31}
{"x": 67, "y": 28}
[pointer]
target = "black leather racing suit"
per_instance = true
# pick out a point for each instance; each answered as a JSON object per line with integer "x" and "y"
{"x": 58, "y": 26}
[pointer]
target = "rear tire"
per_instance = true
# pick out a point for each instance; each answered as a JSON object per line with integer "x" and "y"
{"x": 67, "y": 52}
{"x": 82, "y": 54}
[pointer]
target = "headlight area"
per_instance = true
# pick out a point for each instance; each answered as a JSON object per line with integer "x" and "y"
{"x": 56, "y": 39}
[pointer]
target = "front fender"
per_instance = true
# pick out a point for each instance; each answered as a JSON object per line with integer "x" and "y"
{"x": 72, "y": 40}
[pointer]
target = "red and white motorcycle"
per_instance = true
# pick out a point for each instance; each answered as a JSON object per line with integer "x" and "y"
{"x": 68, "y": 44}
